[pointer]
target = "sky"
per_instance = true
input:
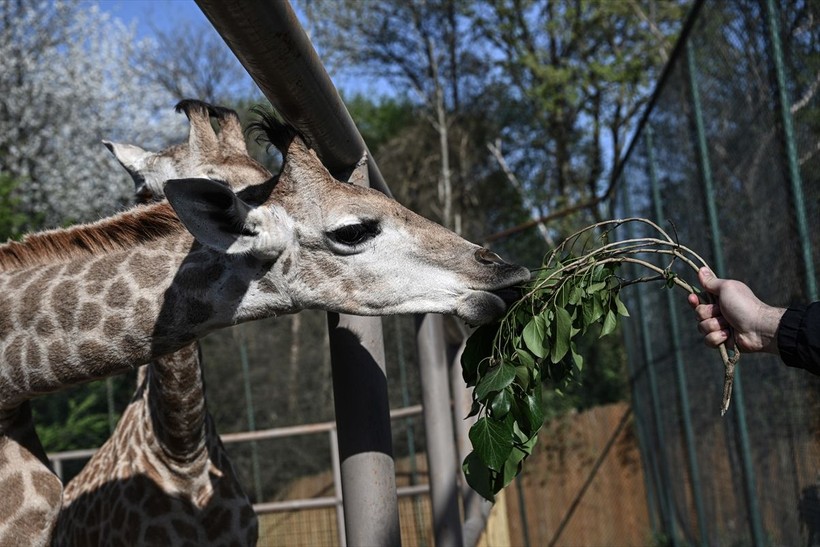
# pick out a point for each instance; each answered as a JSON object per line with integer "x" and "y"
{"x": 150, "y": 15}
{"x": 154, "y": 14}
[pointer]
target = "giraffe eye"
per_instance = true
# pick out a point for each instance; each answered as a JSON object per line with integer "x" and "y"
{"x": 355, "y": 234}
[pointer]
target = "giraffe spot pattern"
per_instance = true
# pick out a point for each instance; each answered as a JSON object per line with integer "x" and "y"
{"x": 65, "y": 300}
{"x": 5, "y": 317}
{"x": 45, "y": 327}
{"x": 119, "y": 295}
{"x": 113, "y": 326}
{"x": 89, "y": 316}
{"x": 33, "y": 357}
{"x": 30, "y": 303}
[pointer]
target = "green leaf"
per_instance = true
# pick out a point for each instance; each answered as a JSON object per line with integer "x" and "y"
{"x": 492, "y": 441}
{"x": 620, "y": 307}
{"x": 501, "y": 403}
{"x": 479, "y": 346}
{"x": 534, "y": 334}
{"x": 563, "y": 323}
{"x": 496, "y": 379}
{"x": 610, "y": 323}
{"x": 577, "y": 359}
{"x": 513, "y": 466}
{"x": 529, "y": 413}
{"x": 479, "y": 476}
{"x": 525, "y": 358}
{"x": 522, "y": 375}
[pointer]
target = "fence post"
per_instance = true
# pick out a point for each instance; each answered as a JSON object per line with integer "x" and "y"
{"x": 717, "y": 252}
{"x": 790, "y": 148}
{"x": 680, "y": 376}
{"x": 438, "y": 422}
{"x": 664, "y": 488}
{"x": 268, "y": 40}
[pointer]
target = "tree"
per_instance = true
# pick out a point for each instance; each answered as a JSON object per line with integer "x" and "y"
{"x": 193, "y": 61}
{"x": 576, "y": 76}
{"x": 426, "y": 48}
{"x": 556, "y": 86}
{"x": 65, "y": 84}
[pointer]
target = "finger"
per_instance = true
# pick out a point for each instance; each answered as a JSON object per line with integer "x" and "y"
{"x": 693, "y": 300}
{"x": 714, "y": 339}
{"x": 709, "y": 280}
{"x": 707, "y": 311}
{"x": 713, "y": 324}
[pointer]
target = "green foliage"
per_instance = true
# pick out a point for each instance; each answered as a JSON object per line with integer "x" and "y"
{"x": 534, "y": 348}
{"x": 81, "y": 417}
{"x": 536, "y": 341}
{"x": 12, "y": 222}
{"x": 379, "y": 121}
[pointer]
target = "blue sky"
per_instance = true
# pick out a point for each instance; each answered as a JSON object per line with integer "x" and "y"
{"x": 151, "y": 14}
{"x": 165, "y": 14}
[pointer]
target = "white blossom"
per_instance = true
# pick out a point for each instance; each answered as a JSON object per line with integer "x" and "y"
{"x": 66, "y": 83}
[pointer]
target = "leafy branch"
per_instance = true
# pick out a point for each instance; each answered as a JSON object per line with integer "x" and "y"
{"x": 577, "y": 288}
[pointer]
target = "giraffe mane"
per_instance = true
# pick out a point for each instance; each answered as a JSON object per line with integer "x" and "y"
{"x": 125, "y": 230}
{"x": 269, "y": 129}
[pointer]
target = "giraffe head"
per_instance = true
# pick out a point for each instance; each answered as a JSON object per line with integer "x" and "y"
{"x": 219, "y": 156}
{"x": 339, "y": 247}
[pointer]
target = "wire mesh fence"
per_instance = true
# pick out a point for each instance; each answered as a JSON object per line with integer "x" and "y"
{"x": 729, "y": 154}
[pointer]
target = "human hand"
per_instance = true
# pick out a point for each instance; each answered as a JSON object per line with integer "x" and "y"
{"x": 735, "y": 312}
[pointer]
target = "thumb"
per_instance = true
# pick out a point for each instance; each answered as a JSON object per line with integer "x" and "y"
{"x": 709, "y": 281}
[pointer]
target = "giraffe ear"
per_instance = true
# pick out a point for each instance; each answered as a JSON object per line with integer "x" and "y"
{"x": 135, "y": 160}
{"x": 130, "y": 156}
{"x": 218, "y": 219}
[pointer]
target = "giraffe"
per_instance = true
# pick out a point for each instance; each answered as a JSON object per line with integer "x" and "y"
{"x": 30, "y": 492}
{"x": 85, "y": 302}
{"x": 163, "y": 477}
{"x": 24, "y": 467}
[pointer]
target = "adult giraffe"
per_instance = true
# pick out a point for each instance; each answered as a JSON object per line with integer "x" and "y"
{"x": 90, "y": 301}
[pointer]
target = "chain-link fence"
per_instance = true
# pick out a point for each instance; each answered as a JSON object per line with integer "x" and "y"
{"x": 729, "y": 154}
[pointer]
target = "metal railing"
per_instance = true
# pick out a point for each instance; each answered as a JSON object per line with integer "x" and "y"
{"x": 329, "y": 428}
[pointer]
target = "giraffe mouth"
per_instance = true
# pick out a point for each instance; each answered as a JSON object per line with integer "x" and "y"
{"x": 509, "y": 295}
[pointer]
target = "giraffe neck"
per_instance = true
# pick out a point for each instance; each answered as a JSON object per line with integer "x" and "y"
{"x": 174, "y": 395}
{"x": 83, "y": 317}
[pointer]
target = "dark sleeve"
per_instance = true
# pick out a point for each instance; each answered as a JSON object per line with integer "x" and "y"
{"x": 798, "y": 337}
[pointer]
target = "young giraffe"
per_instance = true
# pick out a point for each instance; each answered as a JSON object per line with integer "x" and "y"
{"x": 164, "y": 478}
{"x": 28, "y": 516}
{"x": 86, "y": 302}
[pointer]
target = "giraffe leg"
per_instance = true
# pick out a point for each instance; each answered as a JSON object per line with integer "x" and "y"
{"x": 30, "y": 492}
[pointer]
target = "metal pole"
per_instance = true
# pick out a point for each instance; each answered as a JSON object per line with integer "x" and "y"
{"x": 648, "y": 460}
{"x": 336, "y": 464}
{"x": 791, "y": 149}
{"x": 674, "y": 328}
{"x": 246, "y": 380}
{"x": 268, "y": 40}
{"x": 717, "y": 252}
{"x": 365, "y": 440}
{"x": 667, "y": 503}
{"x": 441, "y": 449}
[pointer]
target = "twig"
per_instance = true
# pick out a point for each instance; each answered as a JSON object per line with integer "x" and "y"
{"x": 625, "y": 250}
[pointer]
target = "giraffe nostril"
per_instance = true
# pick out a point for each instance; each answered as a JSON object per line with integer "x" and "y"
{"x": 485, "y": 256}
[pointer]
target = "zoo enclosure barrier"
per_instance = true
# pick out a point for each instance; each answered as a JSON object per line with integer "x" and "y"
{"x": 728, "y": 154}
{"x": 329, "y": 428}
